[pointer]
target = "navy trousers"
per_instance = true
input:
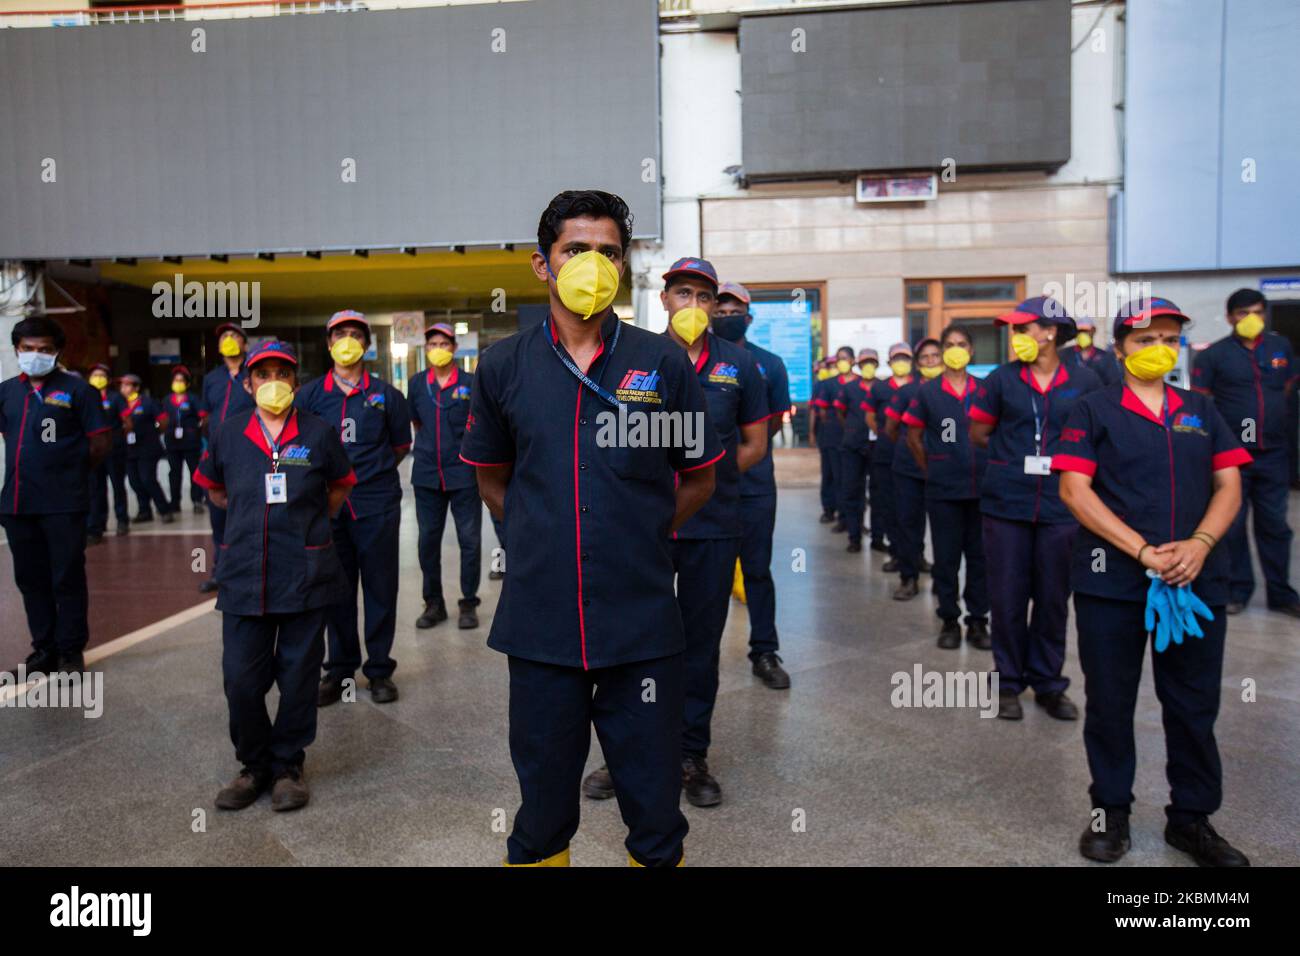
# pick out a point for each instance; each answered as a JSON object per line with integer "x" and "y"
{"x": 49, "y": 556}
{"x": 1029, "y": 562}
{"x": 853, "y": 490}
{"x": 758, "y": 521}
{"x": 1264, "y": 486}
{"x": 878, "y": 531}
{"x": 705, "y": 569}
{"x": 830, "y": 464}
{"x": 884, "y": 504}
{"x": 177, "y": 461}
{"x": 216, "y": 518}
{"x": 143, "y": 472}
{"x": 909, "y": 542}
{"x": 1112, "y": 642}
{"x": 257, "y": 652}
{"x": 466, "y": 507}
{"x": 552, "y": 710}
{"x": 956, "y": 528}
{"x": 367, "y": 548}
{"x": 111, "y": 469}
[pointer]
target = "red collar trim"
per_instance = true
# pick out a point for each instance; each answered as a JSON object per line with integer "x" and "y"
{"x": 432, "y": 377}
{"x": 1060, "y": 378}
{"x": 704, "y": 354}
{"x": 365, "y": 383}
{"x": 970, "y": 387}
{"x": 1132, "y": 403}
{"x": 895, "y": 386}
{"x": 253, "y": 431}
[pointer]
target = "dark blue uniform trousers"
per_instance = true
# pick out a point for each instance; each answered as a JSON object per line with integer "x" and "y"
{"x": 112, "y": 468}
{"x": 367, "y": 548}
{"x": 706, "y": 569}
{"x": 909, "y": 542}
{"x": 758, "y": 522}
{"x": 956, "y": 528}
{"x": 49, "y": 556}
{"x": 830, "y": 464}
{"x": 1112, "y": 642}
{"x": 256, "y": 652}
{"x": 143, "y": 473}
{"x": 1029, "y": 561}
{"x": 431, "y": 515}
{"x": 1263, "y": 485}
{"x": 177, "y": 462}
{"x": 216, "y": 518}
{"x": 552, "y": 709}
{"x": 884, "y": 505}
{"x": 853, "y": 490}
{"x": 878, "y": 530}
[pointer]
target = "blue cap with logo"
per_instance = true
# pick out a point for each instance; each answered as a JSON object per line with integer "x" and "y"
{"x": 692, "y": 266}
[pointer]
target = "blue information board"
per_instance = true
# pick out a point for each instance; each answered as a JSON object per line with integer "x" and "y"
{"x": 786, "y": 329}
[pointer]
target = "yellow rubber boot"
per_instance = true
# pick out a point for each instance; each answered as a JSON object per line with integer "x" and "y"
{"x": 738, "y": 584}
{"x": 560, "y": 859}
{"x": 632, "y": 862}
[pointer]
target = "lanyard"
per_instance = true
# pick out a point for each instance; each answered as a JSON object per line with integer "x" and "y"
{"x": 272, "y": 442}
{"x": 347, "y": 390}
{"x": 428, "y": 387}
{"x": 603, "y": 393}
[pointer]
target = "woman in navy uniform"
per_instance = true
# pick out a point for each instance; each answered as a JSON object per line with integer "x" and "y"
{"x": 439, "y": 400}
{"x": 851, "y": 403}
{"x": 830, "y": 434}
{"x": 908, "y": 479}
{"x": 587, "y": 613}
{"x": 280, "y": 473}
{"x": 1084, "y": 352}
{"x": 938, "y": 437}
{"x": 883, "y": 506}
{"x": 1018, "y": 412}
{"x": 183, "y": 438}
{"x": 113, "y": 467}
{"x": 54, "y": 434}
{"x": 141, "y": 421}
{"x": 374, "y": 421}
{"x": 1151, "y": 472}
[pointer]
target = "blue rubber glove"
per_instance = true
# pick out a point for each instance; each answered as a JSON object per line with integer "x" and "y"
{"x": 1159, "y": 616}
{"x": 1188, "y": 607}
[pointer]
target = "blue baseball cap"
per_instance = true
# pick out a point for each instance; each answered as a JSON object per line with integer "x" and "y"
{"x": 347, "y": 315}
{"x": 1140, "y": 312}
{"x": 274, "y": 349}
{"x": 690, "y": 266}
{"x": 1046, "y": 311}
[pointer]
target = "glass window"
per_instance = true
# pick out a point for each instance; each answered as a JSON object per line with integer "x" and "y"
{"x": 918, "y": 325}
{"x": 918, "y": 292}
{"x": 988, "y": 340}
{"x": 978, "y": 291}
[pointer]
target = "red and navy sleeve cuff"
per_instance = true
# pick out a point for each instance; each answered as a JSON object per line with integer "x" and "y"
{"x": 978, "y": 414}
{"x": 347, "y": 481}
{"x": 98, "y": 431}
{"x": 1232, "y": 458}
{"x": 893, "y": 413}
{"x": 705, "y": 464}
{"x": 206, "y": 483}
{"x": 1083, "y": 466}
{"x": 821, "y": 403}
{"x": 484, "y": 464}
{"x": 910, "y": 419}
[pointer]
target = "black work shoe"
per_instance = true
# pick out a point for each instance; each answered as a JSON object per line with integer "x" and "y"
{"x": 143, "y": 518}
{"x": 1292, "y": 609}
{"x": 880, "y": 546}
{"x": 73, "y": 663}
{"x": 827, "y": 517}
{"x": 838, "y": 527}
{"x": 599, "y": 785}
{"x": 198, "y": 508}
{"x": 890, "y": 566}
{"x": 208, "y": 586}
{"x": 767, "y": 668}
{"x": 41, "y": 662}
{"x": 906, "y": 590}
{"x": 950, "y": 635}
{"x": 383, "y": 690}
{"x": 330, "y": 691}
{"x": 1206, "y": 847}
{"x": 94, "y": 539}
{"x": 1108, "y": 845}
{"x": 1234, "y": 607}
{"x": 168, "y": 517}
{"x": 468, "y": 619}
{"x": 289, "y": 792}
{"x": 496, "y": 575}
{"x": 433, "y": 614}
{"x": 123, "y": 529}
{"x": 977, "y": 635}
{"x": 700, "y": 787}
{"x": 1009, "y": 705}
{"x": 1057, "y": 705}
{"x": 924, "y": 566}
{"x": 855, "y": 547}
{"x": 243, "y": 790}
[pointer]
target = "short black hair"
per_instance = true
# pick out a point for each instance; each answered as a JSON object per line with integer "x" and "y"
{"x": 1244, "y": 299}
{"x": 846, "y": 348}
{"x": 573, "y": 203}
{"x": 954, "y": 329}
{"x": 38, "y": 327}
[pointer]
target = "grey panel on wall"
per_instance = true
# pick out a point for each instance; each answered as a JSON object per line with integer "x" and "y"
{"x": 986, "y": 84}
{"x": 160, "y": 150}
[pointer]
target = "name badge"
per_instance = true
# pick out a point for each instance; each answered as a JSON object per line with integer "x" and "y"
{"x": 130, "y": 438}
{"x": 871, "y": 435}
{"x": 1038, "y": 464}
{"x": 180, "y": 431}
{"x": 277, "y": 492}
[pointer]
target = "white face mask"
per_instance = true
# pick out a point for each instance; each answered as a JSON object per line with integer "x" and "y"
{"x": 36, "y": 364}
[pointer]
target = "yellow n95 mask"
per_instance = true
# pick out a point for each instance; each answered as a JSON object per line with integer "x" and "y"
{"x": 956, "y": 357}
{"x": 690, "y": 323}
{"x": 931, "y": 371}
{"x": 347, "y": 351}
{"x": 99, "y": 381}
{"x": 1152, "y": 362}
{"x": 275, "y": 396}
{"x": 901, "y": 368}
{"x": 438, "y": 357}
{"x": 229, "y": 346}
{"x": 1083, "y": 340}
{"x": 180, "y": 388}
{"x": 1250, "y": 327}
{"x": 1025, "y": 347}
{"x": 867, "y": 369}
{"x": 823, "y": 374}
{"x": 587, "y": 283}
{"x": 844, "y": 365}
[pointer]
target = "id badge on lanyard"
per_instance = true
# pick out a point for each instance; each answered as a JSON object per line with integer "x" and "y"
{"x": 1037, "y": 464}
{"x": 277, "y": 487}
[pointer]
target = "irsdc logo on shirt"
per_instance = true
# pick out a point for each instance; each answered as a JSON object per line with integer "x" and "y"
{"x": 376, "y": 400}
{"x": 1279, "y": 360}
{"x": 724, "y": 373}
{"x": 639, "y": 386}
{"x": 62, "y": 399}
{"x": 461, "y": 392}
{"x": 1191, "y": 424}
{"x": 295, "y": 455}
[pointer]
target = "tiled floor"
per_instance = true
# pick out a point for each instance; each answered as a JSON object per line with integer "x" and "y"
{"x": 428, "y": 780}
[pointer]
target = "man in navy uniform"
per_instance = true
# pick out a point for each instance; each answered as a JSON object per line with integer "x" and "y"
{"x": 144, "y": 450}
{"x": 731, "y": 319}
{"x": 113, "y": 467}
{"x": 439, "y": 400}
{"x": 1250, "y": 375}
{"x": 182, "y": 435}
{"x": 54, "y": 434}
{"x": 587, "y": 613}
{"x": 222, "y": 395}
{"x": 1084, "y": 352}
{"x": 374, "y": 422}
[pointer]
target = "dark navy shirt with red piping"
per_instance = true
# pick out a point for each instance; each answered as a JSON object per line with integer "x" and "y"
{"x": 183, "y": 411}
{"x": 852, "y": 399}
{"x": 1156, "y": 473}
{"x": 830, "y": 430}
{"x": 882, "y": 393}
{"x": 904, "y": 462}
{"x": 113, "y": 404}
{"x": 1102, "y": 362}
{"x": 222, "y": 395}
{"x": 954, "y": 466}
{"x": 146, "y": 417}
{"x": 47, "y": 455}
{"x": 276, "y": 558}
{"x": 1249, "y": 385}
{"x": 381, "y": 428}
{"x": 760, "y": 480}
{"x": 736, "y": 396}
{"x": 1007, "y": 399}
{"x": 587, "y": 524}
{"x": 441, "y": 413}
